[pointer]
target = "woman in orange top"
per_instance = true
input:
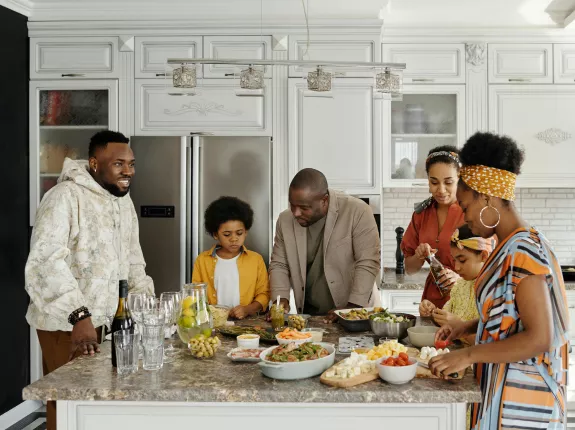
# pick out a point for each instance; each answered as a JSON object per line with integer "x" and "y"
{"x": 235, "y": 276}
{"x": 432, "y": 225}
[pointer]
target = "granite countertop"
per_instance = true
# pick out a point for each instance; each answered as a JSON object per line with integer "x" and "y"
{"x": 221, "y": 380}
{"x": 416, "y": 281}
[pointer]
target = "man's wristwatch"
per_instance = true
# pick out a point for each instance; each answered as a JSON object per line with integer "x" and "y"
{"x": 79, "y": 315}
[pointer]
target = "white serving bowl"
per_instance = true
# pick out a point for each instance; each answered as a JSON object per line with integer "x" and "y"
{"x": 316, "y": 333}
{"x": 397, "y": 374}
{"x": 248, "y": 341}
{"x": 296, "y": 341}
{"x": 422, "y": 335}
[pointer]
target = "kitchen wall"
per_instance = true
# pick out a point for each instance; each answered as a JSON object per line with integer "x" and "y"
{"x": 551, "y": 210}
{"x": 14, "y": 341}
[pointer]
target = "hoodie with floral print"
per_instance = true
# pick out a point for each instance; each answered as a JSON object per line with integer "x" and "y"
{"x": 84, "y": 241}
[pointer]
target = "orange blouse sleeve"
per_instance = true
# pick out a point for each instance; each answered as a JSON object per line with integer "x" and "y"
{"x": 411, "y": 236}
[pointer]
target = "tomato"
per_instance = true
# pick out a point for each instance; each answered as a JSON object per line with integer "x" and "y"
{"x": 389, "y": 362}
{"x": 441, "y": 344}
{"x": 400, "y": 362}
{"x": 403, "y": 356}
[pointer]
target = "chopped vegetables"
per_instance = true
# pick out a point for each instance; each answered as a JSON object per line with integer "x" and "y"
{"x": 401, "y": 360}
{"x": 354, "y": 365}
{"x": 292, "y": 334}
{"x": 389, "y": 348}
{"x": 292, "y": 353}
{"x": 388, "y": 317}
{"x": 360, "y": 314}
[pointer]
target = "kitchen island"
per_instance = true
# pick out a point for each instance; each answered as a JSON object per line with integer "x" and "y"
{"x": 218, "y": 393}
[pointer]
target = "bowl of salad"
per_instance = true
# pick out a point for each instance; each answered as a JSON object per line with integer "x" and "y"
{"x": 391, "y": 325}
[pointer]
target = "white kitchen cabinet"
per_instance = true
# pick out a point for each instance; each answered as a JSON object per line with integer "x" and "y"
{"x": 346, "y": 48}
{"x": 214, "y": 108}
{"x": 540, "y": 119}
{"x": 340, "y": 136}
{"x": 404, "y": 301}
{"x": 77, "y": 57}
{"x": 440, "y": 63}
{"x": 564, "y": 63}
{"x": 151, "y": 53}
{"x": 427, "y": 117}
{"x": 235, "y": 47}
{"x": 63, "y": 117}
{"x": 520, "y": 63}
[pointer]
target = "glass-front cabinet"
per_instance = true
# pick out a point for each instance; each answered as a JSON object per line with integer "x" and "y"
{"x": 426, "y": 117}
{"x": 63, "y": 118}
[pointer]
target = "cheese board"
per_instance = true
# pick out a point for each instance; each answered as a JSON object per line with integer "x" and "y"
{"x": 423, "y": 370}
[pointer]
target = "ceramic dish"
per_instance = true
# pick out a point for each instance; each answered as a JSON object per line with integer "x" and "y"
{"x": 235, "y": 355}
{"x": 298, "y": 369}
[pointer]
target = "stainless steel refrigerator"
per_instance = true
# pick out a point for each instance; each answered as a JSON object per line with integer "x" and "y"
{"x": 177, "y": 178}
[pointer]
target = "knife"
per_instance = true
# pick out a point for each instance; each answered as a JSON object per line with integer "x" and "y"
{"x": 453, "y": 375}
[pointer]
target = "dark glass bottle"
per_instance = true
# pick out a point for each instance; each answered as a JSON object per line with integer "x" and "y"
{"x": 123, "y": 318}
{"x": 436, "y": 267}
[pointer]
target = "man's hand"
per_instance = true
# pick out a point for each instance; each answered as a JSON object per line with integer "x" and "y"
{"x": 332, "y": 316}
{"x": 84, "y": 338}
{"x": 284, "y": 303}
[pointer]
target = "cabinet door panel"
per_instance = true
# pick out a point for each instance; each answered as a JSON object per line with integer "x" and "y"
{"x": 236, "y": 47}
{"x": 564, "y": 63}
{"x": 152, "y": 52}
{"x": 215, "y": 108}
{"x": 540, "y": 118}
{"x": 520, "y": 63}
{"x": 340, "y": 136}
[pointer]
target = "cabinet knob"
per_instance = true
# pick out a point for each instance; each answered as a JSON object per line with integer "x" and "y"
{"x": 572, "y": 307}
{"x": 160, "y": 74}
{"x": 422, "y": 80}
{"x": 419, "y": 184}
{"x": 519, "y": 80}
{"x": 416, "y": 303}
{"x": 72, "y": 75}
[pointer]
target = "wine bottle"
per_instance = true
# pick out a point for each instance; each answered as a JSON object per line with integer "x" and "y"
{"x": 123, "y": 318}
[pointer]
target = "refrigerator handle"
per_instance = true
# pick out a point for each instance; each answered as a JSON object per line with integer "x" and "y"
{"x": 195, "y": 198}
{"x": 186, "y": 213}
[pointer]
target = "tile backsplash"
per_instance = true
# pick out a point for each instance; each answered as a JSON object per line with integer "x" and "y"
{"x": 550, "y": 210}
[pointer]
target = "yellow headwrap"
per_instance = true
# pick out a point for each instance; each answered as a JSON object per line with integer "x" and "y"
{"x": 475, "y": 243}
{"x": 490, "y": 181}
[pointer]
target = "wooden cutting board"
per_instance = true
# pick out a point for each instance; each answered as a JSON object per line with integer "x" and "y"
{"x": 348, "y": 382}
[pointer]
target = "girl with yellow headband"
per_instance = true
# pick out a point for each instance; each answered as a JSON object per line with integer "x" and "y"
{"x": 521, "y": 351}
{"x": 469, "y": 253}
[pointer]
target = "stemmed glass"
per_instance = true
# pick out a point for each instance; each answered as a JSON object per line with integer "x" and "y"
{"x": 171, "y": 302}
{"x": 138, "y": 303}
{"x": 110, "y": 311}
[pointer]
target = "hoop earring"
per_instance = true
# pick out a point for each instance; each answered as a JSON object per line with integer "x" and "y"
{"x": 481, "y": 217}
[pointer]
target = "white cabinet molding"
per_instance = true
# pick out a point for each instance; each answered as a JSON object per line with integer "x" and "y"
{"x": 540, "y": 119}
{"x": 564, "y": 63}
{"x": 344, "y": 48}
{"x": 73, "y": 58}
{"x": 127, "y": 43}
{"x": 152, "y": 53}
{"x": 476, "y": 88}
{"x": 340, "y": 136}
{"x": 520, "y": 63}
{"x": 126, "y": 101}
{"x": 237, "y": 47}
{"x": 441, "y": 63}
{"x": 215, "y": 108}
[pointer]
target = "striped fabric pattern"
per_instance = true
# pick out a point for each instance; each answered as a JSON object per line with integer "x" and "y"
{"x": 529, "y": 394}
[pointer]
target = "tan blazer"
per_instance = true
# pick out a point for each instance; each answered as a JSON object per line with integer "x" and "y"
{"x": 351, "y": 253}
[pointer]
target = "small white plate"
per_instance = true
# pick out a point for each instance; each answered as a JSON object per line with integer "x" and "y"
{"x": 243, "y": 359}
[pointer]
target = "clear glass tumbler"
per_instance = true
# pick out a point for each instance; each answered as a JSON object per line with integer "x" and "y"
{"x": 154, "y": 321}
{"x": 127, "y": 344}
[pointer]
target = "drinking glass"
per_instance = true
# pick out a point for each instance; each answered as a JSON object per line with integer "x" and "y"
{"x": 153, "y": 322}
{"x": 126, "y": 344}
{"x": 171, "y": 302}
{"x": 138, "y": 303}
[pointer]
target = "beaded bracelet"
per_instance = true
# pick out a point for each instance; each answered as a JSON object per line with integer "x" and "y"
{"x": 79, "y": 315}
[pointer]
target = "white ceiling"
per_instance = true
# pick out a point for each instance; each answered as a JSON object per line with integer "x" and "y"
{"x": 401, "y": 13}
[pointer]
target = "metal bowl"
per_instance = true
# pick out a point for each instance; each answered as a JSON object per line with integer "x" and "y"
{"x": 396, "y": 330}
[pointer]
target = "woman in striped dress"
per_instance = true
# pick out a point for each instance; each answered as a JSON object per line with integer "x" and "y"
{"x": 521, "y": 350}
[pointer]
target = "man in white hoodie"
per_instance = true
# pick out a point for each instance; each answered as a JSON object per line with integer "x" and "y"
{"x": 84, "y": 241}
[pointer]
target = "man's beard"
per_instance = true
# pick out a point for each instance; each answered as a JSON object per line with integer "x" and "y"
{"x": 115, "y": 190}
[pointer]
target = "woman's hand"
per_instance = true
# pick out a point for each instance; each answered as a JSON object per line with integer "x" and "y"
{"x": 426, "y": 308}
{"x": 450, "y": 363}
{"x": 424, "y": 250}
{"x": 442, "y": 317}
{"x": 455, "y": 330}
{"x": 447, "y": 278}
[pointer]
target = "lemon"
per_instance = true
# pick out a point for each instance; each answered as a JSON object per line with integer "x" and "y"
{"x": 188, "y": 302}
{"x": 187, "y": 322}
{"x": 207, "y": 332}
{"x": 203, "y": 316}
{"x": 189, "y": 312}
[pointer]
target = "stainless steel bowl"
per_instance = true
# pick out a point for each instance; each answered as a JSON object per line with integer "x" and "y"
{"x": 396, "y": 330}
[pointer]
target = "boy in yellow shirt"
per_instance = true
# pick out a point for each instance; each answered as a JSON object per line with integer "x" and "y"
{"x": 235, "y": 276}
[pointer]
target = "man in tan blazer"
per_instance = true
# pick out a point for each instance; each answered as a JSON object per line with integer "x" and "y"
{"x": 326, "y": 249}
